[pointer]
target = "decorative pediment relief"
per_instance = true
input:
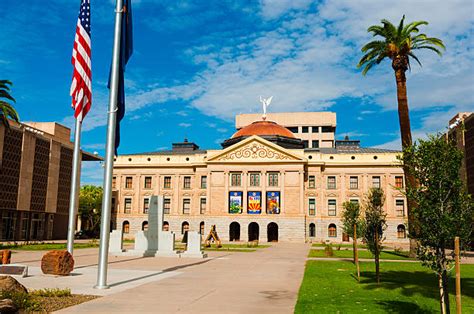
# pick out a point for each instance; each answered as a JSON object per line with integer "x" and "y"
{"x": 331, "y": 195}
{"x": 255, "y": 149}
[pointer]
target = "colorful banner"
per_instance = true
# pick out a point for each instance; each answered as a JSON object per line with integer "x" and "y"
{"x": 273, "y": 202}
{"x": 235, "y": 202}
{"x": 254, "y": 202}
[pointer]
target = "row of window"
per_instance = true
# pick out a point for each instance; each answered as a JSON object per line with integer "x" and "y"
{"x": 166, "y": 182}
{"x": 254, "y": 180}
{"x": 353, "y": 182}
{"x": 332, "y": 207}
{"x": 311, "y": 129}
{"x": 332, "y": 231}
{"x": 166, "y": 205}
{"x": 166, "y": 226}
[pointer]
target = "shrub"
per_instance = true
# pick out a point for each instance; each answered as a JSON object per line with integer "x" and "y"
{"x": 328, "y": 250}
{"x": 21, "y": 300}
{"x": 55, "y": 292}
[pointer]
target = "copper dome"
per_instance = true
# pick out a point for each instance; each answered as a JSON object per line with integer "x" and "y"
{"x": 264, "y": 128}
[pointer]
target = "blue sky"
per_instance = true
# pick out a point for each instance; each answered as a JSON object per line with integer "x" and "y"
{"x": 198, "y": 63}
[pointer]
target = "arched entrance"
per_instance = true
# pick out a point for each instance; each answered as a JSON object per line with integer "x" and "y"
{"x": 254, "y": 231}
{"x": 145, "y": 225}
{"x": 201, "y": 228}
{"x": 312, "y": 230}
{"x": 272, "y": 232}
{"x": 234, "y": 231}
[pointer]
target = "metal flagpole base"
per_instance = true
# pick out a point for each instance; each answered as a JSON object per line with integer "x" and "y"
{"x": 102, "y": 287}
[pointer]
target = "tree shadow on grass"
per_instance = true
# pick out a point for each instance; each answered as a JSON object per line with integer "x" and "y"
{"x": 412, "y": 283}
{"x": 403, "y": 307}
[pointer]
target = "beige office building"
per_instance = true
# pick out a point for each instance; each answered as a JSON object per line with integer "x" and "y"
{"x": 262, "y": 185}
{"x": 35, "y": 180}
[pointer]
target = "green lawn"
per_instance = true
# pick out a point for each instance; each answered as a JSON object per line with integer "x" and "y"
{"x": 344, "y": 245}
{"x": 46, "y": 246}
{"x": 362, "y": 254}
{"x": 330, "y": 287}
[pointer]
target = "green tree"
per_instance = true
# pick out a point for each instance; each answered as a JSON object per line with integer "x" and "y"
{"x": 6, "y": 109}
{"x": 353, "y": 226}
{"x": 90, "y": 204}
{"x": 374, "y": 225}
{"x": 399, "y": 45}
{"x": 443, "y": 208}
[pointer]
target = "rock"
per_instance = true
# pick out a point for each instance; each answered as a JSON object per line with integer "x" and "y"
{"x": 7, "y": 306}
{"x": 8, "y": 283}
{"x": 6, "y": 256}
{"x": 57, "y": 263}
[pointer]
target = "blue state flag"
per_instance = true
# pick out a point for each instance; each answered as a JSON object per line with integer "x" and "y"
{"x": 126, "y": 50}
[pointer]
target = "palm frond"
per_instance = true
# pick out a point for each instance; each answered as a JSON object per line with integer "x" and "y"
{"x": 400, "y": 26}
{"x": 411, "y": 54}
{"x": 4, "y": 94}
{"x": 439, "y": 52}
{"x": 413, "y": 27}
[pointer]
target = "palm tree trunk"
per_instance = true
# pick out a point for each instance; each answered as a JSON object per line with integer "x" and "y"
{"x": 405, "y": 130}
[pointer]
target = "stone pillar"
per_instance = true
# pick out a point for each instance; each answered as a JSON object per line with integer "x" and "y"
{"x": 301, "y": 176}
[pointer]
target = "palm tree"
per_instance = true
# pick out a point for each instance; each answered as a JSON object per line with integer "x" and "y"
{"x": 6, "y": 109}
{"x": 399, "y": 45}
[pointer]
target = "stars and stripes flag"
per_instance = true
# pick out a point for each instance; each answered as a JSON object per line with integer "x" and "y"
{"x": 81, "y": 87}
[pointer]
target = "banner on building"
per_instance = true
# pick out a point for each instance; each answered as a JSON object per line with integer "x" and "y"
{"x": 254, "y": 203}
{"x": 235, "y": 202}
{"x": 273, "y": 202}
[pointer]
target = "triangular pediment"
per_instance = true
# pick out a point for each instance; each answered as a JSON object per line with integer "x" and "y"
{"x": 255, "y": 149}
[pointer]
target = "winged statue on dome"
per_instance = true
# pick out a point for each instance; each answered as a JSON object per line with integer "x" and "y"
{"x": 265, "y": 103}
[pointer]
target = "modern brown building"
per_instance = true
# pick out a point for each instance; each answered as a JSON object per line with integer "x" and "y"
{"x": 265, "y": 184}
{"x": 35, "y": 180}
{"x": 461, "y": 132}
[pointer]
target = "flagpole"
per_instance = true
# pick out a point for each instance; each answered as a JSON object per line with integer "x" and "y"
{"x": 109, "y": 154}
{"x": 76, "y": 166}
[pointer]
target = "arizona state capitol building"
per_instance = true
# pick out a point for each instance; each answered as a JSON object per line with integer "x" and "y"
{"x": 280, "y": 179}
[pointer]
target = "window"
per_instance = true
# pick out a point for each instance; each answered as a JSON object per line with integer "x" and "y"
{"x": 201, "y": 228}
{"x": 354, "y": 200}
{"x": 400, "y": 208}
{"x": 332, "y": 207}
{"x": 315, "y": 144}
{"x": 353, "y": 183}
{"x": 255, "y": 179}
{"x": 187, "y": 183}
{"x": 113, "y": 209}
{"x": 204, "y": 182}
{"x": 202, "y": 206}
{"x": 235, "y": 179}
{"x": 315, "y": 129}
{"x": 146, "y": 205}
{"x": 126, "y": 227}
{"x": 166, "y": 226}
{"x": 128, "y": 206}
{"x": 273, "y": 179}
{"x": 376, "y": 182}
{"x": 401, "y": 232}
{"x": 331, "y": 183}
{"x": 186, "y": 205}
{"x": 305, "y": 144}
{"x": 305, "y": 129}
{"x": 128, "y": 182}
{"x": 184, "y": 227}
{"x": 167, "y": 183}
{"x": 312, "y": 230}
{"x": 312, "y": 182}
{"x": 399, "y": 182}
{"x": 166, "y": 205}
{"x": 327, "y": 129}
{"x": 147, "y": 183}
{"x": 312, "y": 207}
{"x": 114, "y": 183}
{"x": 332, "y": 231}
{"x": 293, "y": 129}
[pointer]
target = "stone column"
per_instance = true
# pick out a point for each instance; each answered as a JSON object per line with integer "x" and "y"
{"x": 245, "y": 179}
{"x": 226, "y": 188}
{"x": 282, "y": 192}
{"x": 26, "y": 171}
{"x": 301, "y": 175}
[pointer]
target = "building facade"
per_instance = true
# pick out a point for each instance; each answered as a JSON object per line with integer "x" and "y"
{"x": 263, "y": 185}
{"x": 461, "y": 132}
{"x": 35, "y": 181}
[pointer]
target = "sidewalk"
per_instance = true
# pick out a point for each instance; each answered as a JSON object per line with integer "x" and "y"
{"x": 265, "y": 281}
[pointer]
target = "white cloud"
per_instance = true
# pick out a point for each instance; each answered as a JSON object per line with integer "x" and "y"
{"x": 184, "y": 125}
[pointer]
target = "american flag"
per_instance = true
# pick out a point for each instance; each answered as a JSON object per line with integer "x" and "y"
{"x": 81, "y": 87}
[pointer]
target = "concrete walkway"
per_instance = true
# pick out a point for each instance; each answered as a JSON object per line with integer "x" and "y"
{"x": 265, "y": 281}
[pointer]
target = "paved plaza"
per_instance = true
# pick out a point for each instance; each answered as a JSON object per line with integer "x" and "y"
{"x": 265, "y": 281}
